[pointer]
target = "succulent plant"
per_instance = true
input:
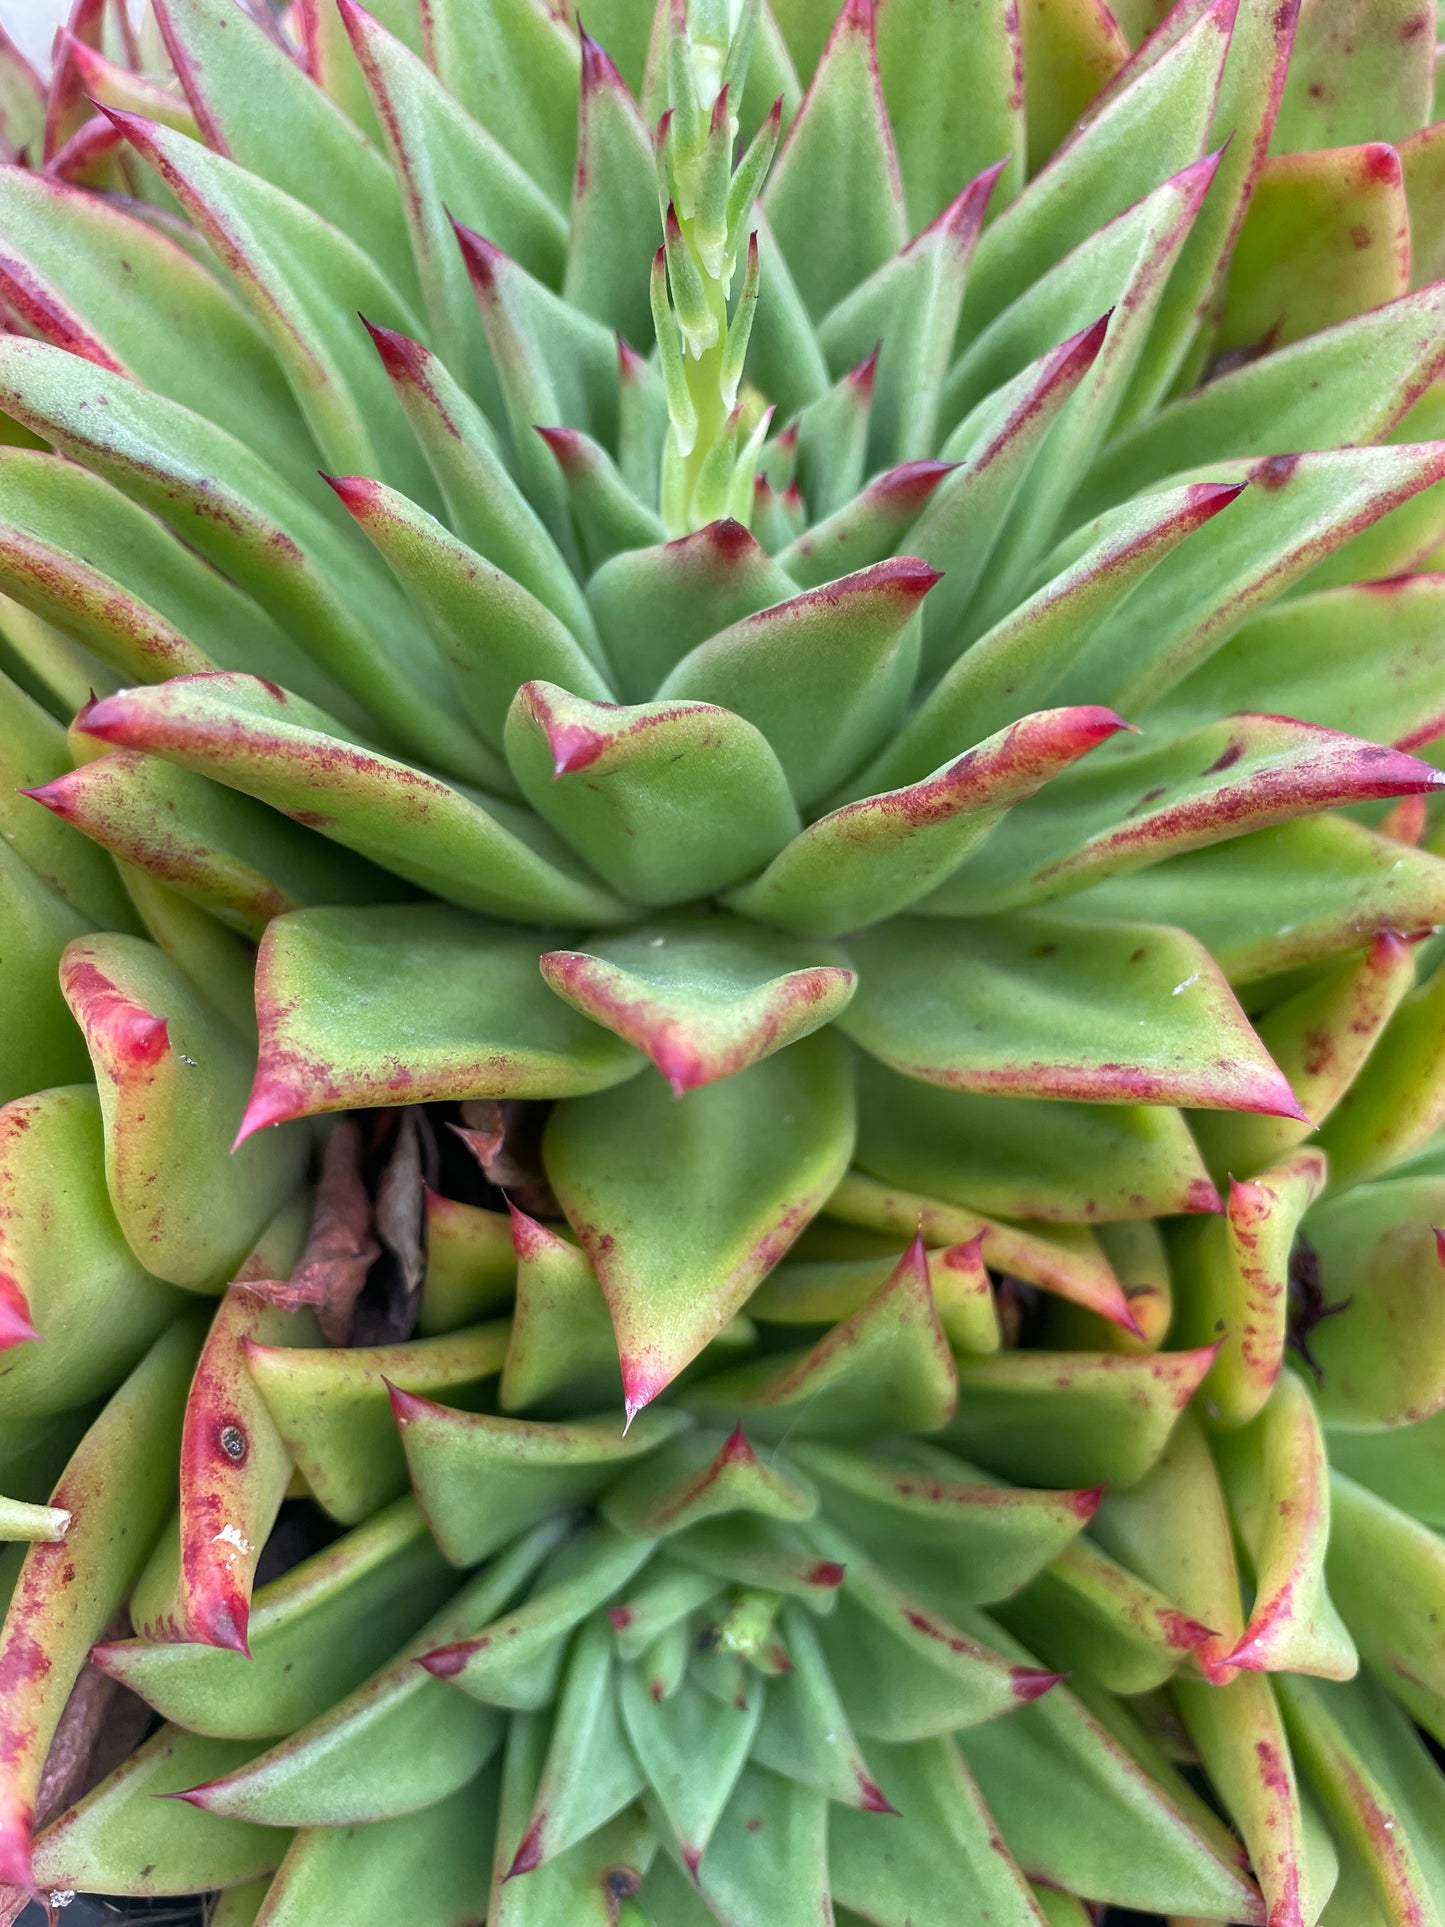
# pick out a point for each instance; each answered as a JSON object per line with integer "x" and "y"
{"x": 724, "y": 1047}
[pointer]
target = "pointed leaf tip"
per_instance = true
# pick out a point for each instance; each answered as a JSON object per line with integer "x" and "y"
{"x": 16, "y": 1327}
{"x": 528, "y": 1856}
{"x": 598, "y": 68}
{"x": 1032, "y": 1682}
{"x": 865, "y": 375}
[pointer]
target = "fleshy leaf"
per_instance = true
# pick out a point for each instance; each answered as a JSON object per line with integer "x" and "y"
{"x": 114, "y": 1489}
{"x": 1038, "y": 1160}
{"x": 1231, "y": 1282}
{"x": 256, "y": 738}
{"x": 46, "y": 1050}
{"x": 668, "y": 801}
{"x": 825, "y": 1291}
{"x": 823, "y": 675}
{"x": 67, "y": 1274}
{"x": 1143, "y": 805}
{"x": 1054, "y": 1418}
{"x": 385, "y": 1005}
{"x": 172, "y": 1079}
{"x": 1398, "y": 1100}
{"x": 530, "y": 1471}
{"x": 741, "y": 1165}
{"x": 612, "y": 233}
{"x": 1381, "y": 1357}
{"x": 655, "y": 605}
{"x": 835, "y": 197}
{"x": 396, "y": 1744}
{"x": 608, "y": 515}
{"x": 471, "y": 1267}
{"x": 129, "y": 1835}
{"x": 869, "y": 859}
{"x": 887, "y": 1368}
{"x": 1030, "y": 1006}
{"x": 1277, "y": 1481}
{"x": 1388, "y": 1574}
{"x": 1326, "y": 236}
{"x": 696, "y": 1480}
{"x": 950, "y": 82}
{"x": 702, "y": 999}
{"x": 942, "y": 1528}
{"x": 333, "y": 1408}
{"x": 1357, "y": 73}
{"x": 315, "y": 1634}
{"x": 561, "y": 1353}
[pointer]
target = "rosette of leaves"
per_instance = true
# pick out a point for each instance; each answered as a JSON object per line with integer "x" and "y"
{"x": 828, "y": 624}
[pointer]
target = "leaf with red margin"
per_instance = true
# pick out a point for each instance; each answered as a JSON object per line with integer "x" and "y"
{"x": 868, "y": 860}
{"x": 887, "y": 1368}
{"x": 1359, "y": 657}
{"x": 1326, "y": 236}
{"x": 164, "y": 1852}
{"x": 1013, "y": 667}
{"x": 1276, "y": 1480}
{"x": 1380, "y": 1790}
{"x": 316, "y": 1633}
{"x": 172, "y": 1078}
{"x": 682, "y": 1208}
{"x": 654, "y": 605}
{"x": 942, "y": 1528}
{"x": 1133, "y": 272}
{"x": 1039, "y": 1006}
{"x": 1299, "y": 894}
{"x": 471, "y": 1267}
{"x": 804, "y": 1732}
{"x": 821, "y": 1291}
{"x": 1349, "y": 383}
{"x": 516, "y": 1661}
{"x": 317, "y": 581}
{"x": 396, "y": 1743}
{"x": 1090, "y": 1802}
{"x": 952, "y": 88}
{"x": 256, "y": 105}
{"x": 1387, "y": 1572}
{"x": 294, "y": 271}
{"x": 1320, "y": 1038}
{"x": 1148, "y": 129}
{"x": 609, "y": 516}
{"x": 692, "y": 1745}
{"x": 1358, "y": 73}
{"x": 531, "y": 1471}
{"x": 22, "y": 104}
{"x": 253, "y": 736}
{"x": 834, "y": 197}
{"x": 589, "y": 1773}
{"x": 46, "y": 1050}
{"x": 696, "y": 1480}
{"x": 234, "y": 1470}
{"x": 412, "y": 1004}
{"x": 61, "y": 250}
{"x": 1071, "y": 52}
{"x": 333, "y": 1409}
{"x": 1067, "y": 1262}
{"x": 993, "y": 448}
{"x": 1128, "y": 810}
{"x": 827, "y": 451}
{"x": 1231, "y": 1282}
{"x": 925, "y": 1675}
{"x": 865, "y": 530}
{"x": 448, "y": 164}
{"x": 561, "y": 1355}
{"x": 1422, "y": 158}
{"x": 703, "y": 999}
{"x": 1299, "y": 511}
{"x": 553, "y": 363}
{"x": 485, "y": 507}
{"x": 494, "y": 634}
{"x": 1397, "y": 1102}
{"x": 1089, "y": 1615}
{"x": 824, "y": 675}
{"x": 1059, "y": 1418}
{"x": 515, "y": 69}
{"x": 1381, "y": 1356}
{"x": 612, "y": 234}
{"x": 912, "y": 303}
{"x": 79, "y": 554}
{"x": 1039, "y": 1160}
{"x": 67, "y": 1275}
{"x": 216, "y": 848}
{"x": 115, "y": 1489}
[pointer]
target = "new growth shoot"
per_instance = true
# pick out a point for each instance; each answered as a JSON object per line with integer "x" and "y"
{"x": 702, "y": 325}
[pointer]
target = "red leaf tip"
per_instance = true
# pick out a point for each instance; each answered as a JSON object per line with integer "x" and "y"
{"x": 1031, "y": 1682}
{"x": 528, "y": 1856}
